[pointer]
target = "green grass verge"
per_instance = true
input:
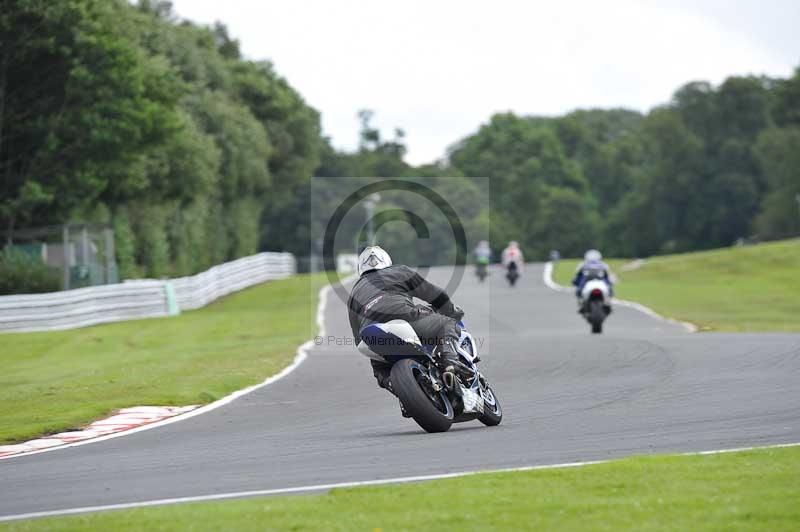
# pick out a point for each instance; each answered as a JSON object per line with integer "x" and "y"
{"x": 750, "y": 288}
{"x": 749, "y": 490}
{"x": 194, "y": 358}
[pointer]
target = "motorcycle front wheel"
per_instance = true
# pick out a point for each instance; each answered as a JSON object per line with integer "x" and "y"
{"x": 492, "y": 412}
{"x": 430, "y": 409}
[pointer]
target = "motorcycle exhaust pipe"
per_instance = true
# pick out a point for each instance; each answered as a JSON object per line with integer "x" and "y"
{"x": 449, "y": 379}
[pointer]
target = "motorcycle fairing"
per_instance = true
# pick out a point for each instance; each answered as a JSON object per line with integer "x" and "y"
{"x": 390, "y": 341}
{"x": 471, "y": 397}
{"x": 467, "y": 340}
{"x": 593, "y": 284}
{"x": 396, "y": 339}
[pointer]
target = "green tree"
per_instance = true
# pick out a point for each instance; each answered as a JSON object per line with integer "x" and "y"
{"x": 778, "y": 152}
{"x": 786, "y": 103}
{"x": 525, "y": 161}
{"x": 564, "y": 221}
{"x": 79, "y": 104}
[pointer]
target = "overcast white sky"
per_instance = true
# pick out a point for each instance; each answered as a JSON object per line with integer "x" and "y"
{"x": 440, "y": 68}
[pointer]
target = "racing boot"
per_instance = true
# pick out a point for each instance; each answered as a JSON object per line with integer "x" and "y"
{"x": 450, "y": 363}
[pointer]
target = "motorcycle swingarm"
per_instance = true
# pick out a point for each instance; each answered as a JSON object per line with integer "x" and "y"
{"x": 436, "y": 382}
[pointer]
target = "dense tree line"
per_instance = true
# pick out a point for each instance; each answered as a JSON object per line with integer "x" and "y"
{"x": 120, "y": 113}
{"x": 714, "y": 165}
{"x": 300, "y": 224}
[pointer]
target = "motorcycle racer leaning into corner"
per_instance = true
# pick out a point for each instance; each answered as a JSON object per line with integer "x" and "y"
{"x": 385, "y": 292}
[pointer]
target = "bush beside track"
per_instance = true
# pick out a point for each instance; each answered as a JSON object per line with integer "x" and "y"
{"x": 749, "y": 288}
{"x": 55, "y": 381}
{"x": 747, "y": 490}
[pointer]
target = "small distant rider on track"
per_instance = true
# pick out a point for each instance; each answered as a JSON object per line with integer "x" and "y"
{"x": 483, "y": 253}
{"x": 592, "y": 262}
{"x": 512, "y": 259}
{"x": 483, "y": 256}
{"x": 512, "y": 255}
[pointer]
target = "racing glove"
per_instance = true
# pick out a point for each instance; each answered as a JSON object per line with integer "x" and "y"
{"x": 457, "y": 313}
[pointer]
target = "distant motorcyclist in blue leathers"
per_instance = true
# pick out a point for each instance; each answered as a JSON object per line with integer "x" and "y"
{"x": 592, "y": 260}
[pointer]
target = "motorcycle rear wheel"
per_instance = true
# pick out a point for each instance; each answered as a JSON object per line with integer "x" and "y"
{"x": 596, "y": 316}
{"x": 430, "y": 409}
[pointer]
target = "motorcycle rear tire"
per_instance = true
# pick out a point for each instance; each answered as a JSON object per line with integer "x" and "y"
{"x": 416, "y": 401}
{"x": 596, "y": 316}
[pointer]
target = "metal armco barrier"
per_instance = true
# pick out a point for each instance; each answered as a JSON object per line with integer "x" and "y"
{"x": 146, "y": 298}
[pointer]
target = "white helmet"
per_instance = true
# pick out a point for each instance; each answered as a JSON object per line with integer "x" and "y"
{"x": 593, "y": 256}
{"x": 373, "y": 258}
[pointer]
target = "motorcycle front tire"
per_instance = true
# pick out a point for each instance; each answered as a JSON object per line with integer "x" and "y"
{"x": 492, "y": 411}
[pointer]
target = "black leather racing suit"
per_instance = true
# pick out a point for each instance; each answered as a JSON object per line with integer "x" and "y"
{"x": 382, "y": 295}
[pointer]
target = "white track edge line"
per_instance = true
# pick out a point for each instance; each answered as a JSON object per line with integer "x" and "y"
{"x": 352, "y": 484}
{"x": 302, "y": 354}
{"x": 547, "y": 278}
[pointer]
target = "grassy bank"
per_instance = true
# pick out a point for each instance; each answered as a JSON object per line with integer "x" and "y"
{"x": 751, "y": 288}
{"x": 750, "y": 490}
{"x": 194, "y": 358}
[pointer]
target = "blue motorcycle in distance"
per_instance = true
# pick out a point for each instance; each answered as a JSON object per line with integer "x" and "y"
{"x": 434, "y": 399}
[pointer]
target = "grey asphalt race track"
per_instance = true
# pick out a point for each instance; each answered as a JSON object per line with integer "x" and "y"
{"x": 644, "y": 386}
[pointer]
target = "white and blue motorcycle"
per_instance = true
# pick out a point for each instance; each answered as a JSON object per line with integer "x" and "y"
{"x": 595, "y": 298}
{"x": 435, "y": 399}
